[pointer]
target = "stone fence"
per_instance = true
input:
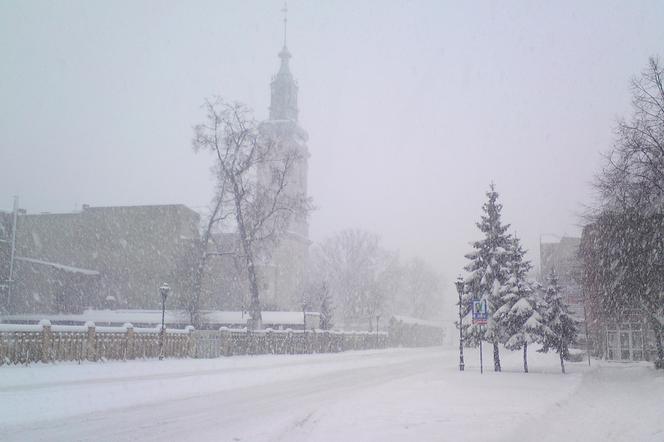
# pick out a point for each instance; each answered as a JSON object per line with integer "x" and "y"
{"x": 23, "y": 344}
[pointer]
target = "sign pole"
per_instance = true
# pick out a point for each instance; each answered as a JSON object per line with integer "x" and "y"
{"x": 481, "y": 366}
{"x": 480, "y": 317}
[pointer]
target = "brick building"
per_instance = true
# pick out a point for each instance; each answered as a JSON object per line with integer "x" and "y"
{"x": 619, "y": 331}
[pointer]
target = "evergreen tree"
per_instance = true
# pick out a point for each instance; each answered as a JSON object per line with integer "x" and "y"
{"x": 520, "y": 316}
{"x": 487, "y": 270}
{"x": 561, "y": 328}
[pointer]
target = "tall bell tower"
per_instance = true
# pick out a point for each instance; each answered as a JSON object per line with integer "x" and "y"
{"x": 283, "y": 277}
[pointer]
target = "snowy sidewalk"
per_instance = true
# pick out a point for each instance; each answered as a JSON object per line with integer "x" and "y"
{"x": 616, "y": 402}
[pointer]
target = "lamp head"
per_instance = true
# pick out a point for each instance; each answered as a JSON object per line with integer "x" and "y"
{"x": 164, "y": 290}
{"x": 459, "y": 285}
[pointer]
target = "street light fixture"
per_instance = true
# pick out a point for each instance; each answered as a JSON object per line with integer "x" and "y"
{"x": 460, "y": 286}
{"x": 163, "y": 291}
{"x": 304, "y": 325}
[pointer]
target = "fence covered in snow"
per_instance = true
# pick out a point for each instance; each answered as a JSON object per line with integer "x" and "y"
{"x": 47, "y": 343}
{"x": 23, "y": 344}
{"x": 241, "y": 342}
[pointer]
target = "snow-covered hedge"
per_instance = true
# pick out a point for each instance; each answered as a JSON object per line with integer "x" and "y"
{"x": 411, "y": 332}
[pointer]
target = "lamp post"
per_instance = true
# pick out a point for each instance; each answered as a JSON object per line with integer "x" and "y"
{"x": 377, "y": 337}
{"x": 163, "y": 291}
{"x": 304, "y": 326}
{"x": 459, "y": 286}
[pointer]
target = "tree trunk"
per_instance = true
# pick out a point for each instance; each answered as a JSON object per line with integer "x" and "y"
{"x": 525, "y": 357}
{"x": 657, "y": 330}
{"x": 496, "y": 356}
{"x": 255, "y": 303}
{"x": 194, "y": 303}
{"x": 562, "y": 362}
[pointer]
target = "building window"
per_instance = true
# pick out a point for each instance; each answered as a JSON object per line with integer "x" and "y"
{"x": 624, "y": 342}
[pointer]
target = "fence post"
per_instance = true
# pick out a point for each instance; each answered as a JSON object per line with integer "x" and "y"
{"x": 129, "y": 349}
{"x": 269, "y": 342}
{"x": 91, "y": 340}
{"x": 325, "y": 341}
{"x": 191, "y": 342}
{"x": 225, "y": 341}
{"x": 290, "y": 346}
{"x": 249, "y": 341}
{"x": 46, "y": 340}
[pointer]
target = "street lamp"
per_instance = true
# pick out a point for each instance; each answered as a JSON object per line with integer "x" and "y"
{"x": 459, "y": 286}
{"x": 304, "y": 325}
{"x": 163, "y": 291}
{"x": 377, "y": 337}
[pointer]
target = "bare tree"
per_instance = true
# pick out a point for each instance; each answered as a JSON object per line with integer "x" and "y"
{"x": 254, "y": 170}
{"x": 633, "y": 176}
{"x": 421, "y": 293}
{"x": 357, "y": 272}
{"x": 202, "y": 252}
{"x": 623, "y": 252}
{"x": 366, "y": 281}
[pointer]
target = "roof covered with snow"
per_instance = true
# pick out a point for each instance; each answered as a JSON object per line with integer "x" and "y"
{"x": 59, "y": 266}
{"x": 154, "y": 317}
{"x": 417, "y": 321}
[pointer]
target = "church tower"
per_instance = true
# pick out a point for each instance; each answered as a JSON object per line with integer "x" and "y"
{"x": 283, "y": 103}
{"x": 282, "y": 278}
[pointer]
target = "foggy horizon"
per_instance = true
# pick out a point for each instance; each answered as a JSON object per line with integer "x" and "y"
{"x": 412, "y": 109}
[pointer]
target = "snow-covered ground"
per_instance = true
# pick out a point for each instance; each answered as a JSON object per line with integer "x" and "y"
{"x": 380, "y": 395}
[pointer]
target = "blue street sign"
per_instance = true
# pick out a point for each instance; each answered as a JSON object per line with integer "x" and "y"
{"x": 480, "y": 312}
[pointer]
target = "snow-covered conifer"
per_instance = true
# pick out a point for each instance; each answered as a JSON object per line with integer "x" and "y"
{"x": 520, "y": 315}
{"x": 487, "y": 270}
{"x": 561, "y": 328}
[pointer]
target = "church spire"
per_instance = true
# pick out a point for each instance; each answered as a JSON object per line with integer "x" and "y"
{"x": 283, "y": 104}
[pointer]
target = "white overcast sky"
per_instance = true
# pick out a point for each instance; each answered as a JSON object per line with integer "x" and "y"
{"x": 412, "y": 108}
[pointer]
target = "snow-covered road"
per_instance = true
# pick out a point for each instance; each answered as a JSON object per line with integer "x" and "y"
{"x": 388, "y": 395}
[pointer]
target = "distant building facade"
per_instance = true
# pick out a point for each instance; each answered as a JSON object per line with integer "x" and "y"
{"x": 563, "y": 257}
{"x": 618, "y": 332}
{"x": 100, "y": 257}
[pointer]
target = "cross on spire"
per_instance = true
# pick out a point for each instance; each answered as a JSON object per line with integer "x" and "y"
{"x": 285, "y": 11}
